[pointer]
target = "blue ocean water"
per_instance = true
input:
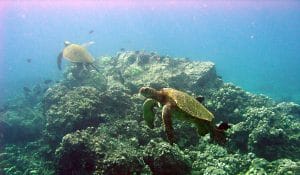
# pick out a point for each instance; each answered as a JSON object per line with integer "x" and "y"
{"x": 254, "y": 44}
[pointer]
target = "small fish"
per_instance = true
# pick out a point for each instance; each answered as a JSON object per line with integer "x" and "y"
{"x": 29, "y": 60}
{"x": 91, "y": 31}
{"x": 47, "y": 81}
{"x": 122, "y": 49}
{"x": 26, "y": 89}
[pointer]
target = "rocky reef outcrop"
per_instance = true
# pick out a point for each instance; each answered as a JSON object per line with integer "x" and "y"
{"x": 162, "y": 158}
{"x": 270, "y": 132}
{"x": 92, "y": 124}
{"x": 95, "y": 151}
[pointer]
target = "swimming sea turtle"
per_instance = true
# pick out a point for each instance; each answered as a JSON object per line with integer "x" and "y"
{"x": 76, "y": 54}
{"x": 181, "y": 106}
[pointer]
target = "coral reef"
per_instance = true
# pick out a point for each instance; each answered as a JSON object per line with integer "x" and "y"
{"x": 136, "y": 69}
{"x": 92, "y": 150}
{"x": 76, "y": 109}
{"x": 271, "y": 133}
{"x": 25, "y": 160}
{"x": 74, "y": 154}
{"x": 214, "y": 159}
{"x": 162, "y": 158}
{"x": 21, "y": 123}
{"x": 280, "y": 167}
{"x": 78, "y": 75}
{"x": 91, "y": 123}
{"x": 228, "y": 102}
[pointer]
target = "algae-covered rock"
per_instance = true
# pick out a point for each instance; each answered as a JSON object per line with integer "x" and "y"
{"x": 78, "y": 75}
{"x": 229, "y": 102}
{"x": 21, "y": 125}
{"x": 75, "y": 110}
{"x": 137, "y": 69}
{"x": 278, "y": 167}
{"x": 269, "y": 132}
{"x": 162, "y": 158}
{"x": 75, "y": 156}
{"x": 214, "y": 159}
{"x": 124, "y": 159}
{"x": 129, "y": 129}
{"x": 53, "y": 95}
{"x": 24, "y": 160}
{"x": 92, "y": 151}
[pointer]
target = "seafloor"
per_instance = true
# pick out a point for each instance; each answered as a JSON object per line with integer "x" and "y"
{"x": 91, "y": 123}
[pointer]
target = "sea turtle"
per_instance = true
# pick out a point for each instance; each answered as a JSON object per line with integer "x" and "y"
{"x": 76, "y": 54}
{"x": 182, "y": 106}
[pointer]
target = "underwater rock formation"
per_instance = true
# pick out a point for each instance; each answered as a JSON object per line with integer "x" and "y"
{"x": 270, "y": 132}
{"x": 74, "y": 154}
{"x": 162, "y": 158}
{"x": 214, "y": 159}
{"x": 228, "y": 102}
{"x": 73, "y": 110}
{"x": 21, "y": 124}
{"x": 92, "y": 124}
{"x": 92, "y": 150}
{"x": 77, "y": 75}
{"x": 136, "y": 69}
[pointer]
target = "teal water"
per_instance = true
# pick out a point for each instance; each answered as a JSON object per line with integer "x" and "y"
{"x": 254, "y": 44}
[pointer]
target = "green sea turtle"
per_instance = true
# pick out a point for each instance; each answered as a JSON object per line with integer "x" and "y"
{"x": 182, "y": 106}
{"x": 76, "y": 54}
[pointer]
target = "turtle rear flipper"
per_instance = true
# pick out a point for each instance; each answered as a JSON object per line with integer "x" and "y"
{"x": 218, "y": 134}
{"x": 224, "y": 126}
{"x": 59, "y": 58}
{"x": 200, "y": 99}
{"x": 87, "y": 44}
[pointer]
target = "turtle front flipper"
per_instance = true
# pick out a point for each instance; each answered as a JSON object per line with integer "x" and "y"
{"x": 59, "y": 58}
{"x": 166, "y": 117}
{"x": 148, "y": 112}
{"x": 87, "y": 44}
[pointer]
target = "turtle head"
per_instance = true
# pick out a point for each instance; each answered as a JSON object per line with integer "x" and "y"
{"x": 67, "y": 43}
{"x": 148, "y": 92}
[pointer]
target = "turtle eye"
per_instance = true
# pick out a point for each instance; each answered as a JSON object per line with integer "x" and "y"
{"x": 147, "y": 91}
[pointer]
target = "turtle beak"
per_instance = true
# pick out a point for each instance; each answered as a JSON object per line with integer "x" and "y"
{"x": 142, "y": 89}
{"x": 141, "y": 97}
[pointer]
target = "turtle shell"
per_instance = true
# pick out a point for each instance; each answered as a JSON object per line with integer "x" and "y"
{"x": 188, "y": 104}
{"x": 78, "y": 54}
